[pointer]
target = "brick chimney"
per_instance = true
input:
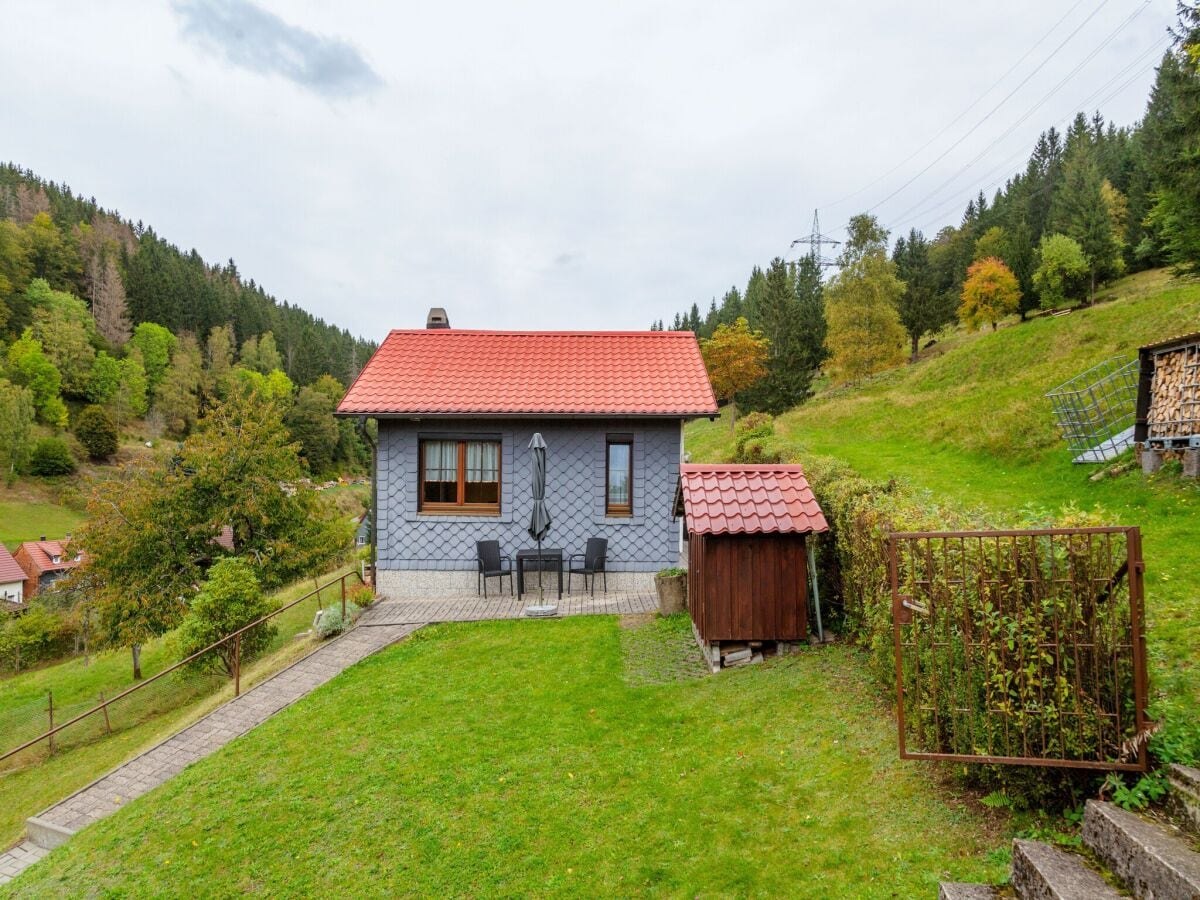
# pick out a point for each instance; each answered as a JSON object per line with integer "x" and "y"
{"x": 437, "y": 318}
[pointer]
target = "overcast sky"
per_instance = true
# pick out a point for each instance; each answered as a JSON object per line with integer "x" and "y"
{"x": 548, "y": 165}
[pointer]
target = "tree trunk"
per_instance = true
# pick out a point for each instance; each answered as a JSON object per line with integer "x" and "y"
{"x": 136, "y": 651}
{"x": 915, "y": 346}
{"x": 1092, "y": 294}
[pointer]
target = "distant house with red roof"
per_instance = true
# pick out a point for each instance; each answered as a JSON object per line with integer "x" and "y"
{"x": 456, "y": 411}
{"x": 12, "y": 578}
{"x": 44, "y": 562}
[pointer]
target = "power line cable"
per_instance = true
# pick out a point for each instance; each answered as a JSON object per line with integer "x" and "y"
{"x": 1104, "y": 43}
{"x": 960, "y": 116}
{"x": 970, "y": 131}
{"x": 930, "y": 203}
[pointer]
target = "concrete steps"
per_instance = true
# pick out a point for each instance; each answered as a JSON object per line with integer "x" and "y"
{"x": 1185, "y": 794}
{"x": 1149, "y": 860}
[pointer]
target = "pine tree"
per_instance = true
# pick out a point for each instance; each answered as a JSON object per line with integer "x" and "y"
{"x": 923, "y": 309}
{"x": 109, "y": 309}
{"x": 1082, "y": 212}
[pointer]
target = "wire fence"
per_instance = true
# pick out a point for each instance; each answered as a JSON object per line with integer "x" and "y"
{"x": 30, "y": 732}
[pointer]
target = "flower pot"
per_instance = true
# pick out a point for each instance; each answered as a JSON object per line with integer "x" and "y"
{"x": 672, "y": 593}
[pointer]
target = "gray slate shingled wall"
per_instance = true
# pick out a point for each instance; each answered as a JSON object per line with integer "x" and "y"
{"x": 646, "y": 542}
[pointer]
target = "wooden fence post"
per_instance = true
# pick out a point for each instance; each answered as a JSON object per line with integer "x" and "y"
{"x": 237, "y": 664}
{"x": 104, "y": 707}
{"x": 343, "y": 601}
{"x": 50, "y": 710}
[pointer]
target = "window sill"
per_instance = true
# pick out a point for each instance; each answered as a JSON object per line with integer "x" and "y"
{"x": 455, "y": 512}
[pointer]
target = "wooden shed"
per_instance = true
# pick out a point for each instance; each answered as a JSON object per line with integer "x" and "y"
{"x": 747, "y": 529}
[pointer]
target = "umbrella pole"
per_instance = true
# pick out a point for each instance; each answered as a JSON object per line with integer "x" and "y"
{"x": 541, "y": 596}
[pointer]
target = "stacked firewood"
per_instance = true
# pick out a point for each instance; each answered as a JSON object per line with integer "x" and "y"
{"x": 741, "y": 653}
{"x": 1175, "y": 393}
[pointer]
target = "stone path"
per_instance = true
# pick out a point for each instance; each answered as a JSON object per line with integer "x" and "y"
{"x": 384, "y": 623}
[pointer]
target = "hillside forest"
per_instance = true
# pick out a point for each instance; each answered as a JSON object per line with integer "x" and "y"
{"x": 103, "y": 324}
{"x": 1091, "y": 204}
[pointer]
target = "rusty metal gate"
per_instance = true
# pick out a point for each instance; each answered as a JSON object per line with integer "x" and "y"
{"x": 1021, "y": 647}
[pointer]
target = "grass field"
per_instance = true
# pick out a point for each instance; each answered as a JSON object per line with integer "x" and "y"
{"x": 971, "y": 423}
{"x": 514, "y": 758}
{"x": 25, "y": 520}
{"x": 149, "y": 715}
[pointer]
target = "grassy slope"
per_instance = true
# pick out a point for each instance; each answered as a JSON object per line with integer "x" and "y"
{"x": 971, "y": 423}
{"x": 31, "y": 788}
{"x": 28, "y": 520}
{"x": 511, "y": 758}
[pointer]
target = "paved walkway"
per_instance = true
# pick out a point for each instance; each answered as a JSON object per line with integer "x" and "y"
{"x": 384, "y": 623}
{"x": 474, "y": 609}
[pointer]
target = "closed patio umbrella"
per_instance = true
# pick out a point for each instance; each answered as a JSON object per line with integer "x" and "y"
{"x": 539, "y": 516}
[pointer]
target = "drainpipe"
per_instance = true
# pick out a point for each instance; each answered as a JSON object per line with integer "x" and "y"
{"x": 373, "y": 556}
{"x": 811, "y": 553}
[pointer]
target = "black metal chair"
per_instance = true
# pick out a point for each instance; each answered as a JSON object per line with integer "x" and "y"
{"x": 492, "y": 564}
{"x": 594, "y": 557}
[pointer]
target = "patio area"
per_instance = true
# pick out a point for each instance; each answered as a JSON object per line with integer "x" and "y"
{"x": 473, "y": 608}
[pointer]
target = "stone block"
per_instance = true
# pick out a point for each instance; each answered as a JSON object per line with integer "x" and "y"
{"x": 1151, "y": 460}
{"x": 1151, "y": 860}
{"x": 1041, "y": 871}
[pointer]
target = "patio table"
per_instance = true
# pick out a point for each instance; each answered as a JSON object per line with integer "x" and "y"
{"x": 549, "y": 557}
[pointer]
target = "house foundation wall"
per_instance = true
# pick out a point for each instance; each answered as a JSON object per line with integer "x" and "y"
{"x": 417, "y": 584}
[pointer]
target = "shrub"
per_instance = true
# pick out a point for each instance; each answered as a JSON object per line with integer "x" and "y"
{"x": 332, "y": 623}
{"x": 230, "y": 599}
{"x": 97, "y": 431}
{"x": 754, "y": 439}
{"x": 360, "y": 595}
{"x": 854, "y": 565}
{"x": 51, "y": 456}
{"x": 35, "y": 636}
{"x": 672, "y": 573}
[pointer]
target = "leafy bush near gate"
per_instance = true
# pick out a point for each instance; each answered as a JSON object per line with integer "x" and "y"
{"x": 1020, "y": 698}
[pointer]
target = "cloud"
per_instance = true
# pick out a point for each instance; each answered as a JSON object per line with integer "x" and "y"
{"x": 249, "y": 36}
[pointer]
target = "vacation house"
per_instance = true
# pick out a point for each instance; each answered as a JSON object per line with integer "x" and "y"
{"x": 456, "y": 411}
{"x": 44, "y": 562}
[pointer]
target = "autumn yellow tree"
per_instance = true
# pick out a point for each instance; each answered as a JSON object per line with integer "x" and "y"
{"x": 990, "y": 293}
{"x": 862, "y": 305}
{"x": 736, "y": 358}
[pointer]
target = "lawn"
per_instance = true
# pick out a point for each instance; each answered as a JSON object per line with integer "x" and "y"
{"x": 513, "y": 758}
{"x": 30, "y": 782}
{"x": 971, "y": 423}
{"x": 28, "y": 520}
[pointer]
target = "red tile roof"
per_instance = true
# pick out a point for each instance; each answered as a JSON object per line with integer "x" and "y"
{"x": 9, "y": 570}
{"x": 749, "y": 499}
{"x": 456, "y": 372}
{"x": 39, "y": 556}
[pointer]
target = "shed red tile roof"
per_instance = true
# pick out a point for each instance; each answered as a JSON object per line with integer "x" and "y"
{"x": 749, "y": 499}
{"x": 457, "y": 372}
{"x": 9, "y": 570}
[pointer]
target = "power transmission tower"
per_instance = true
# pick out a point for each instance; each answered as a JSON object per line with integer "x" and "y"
{"x": 816, "y": 241}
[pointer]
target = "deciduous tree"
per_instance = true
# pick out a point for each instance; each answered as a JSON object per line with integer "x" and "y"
{"x": 862, "y": 306}
{"x": 1062, "y": 271}
{"x": 229, "y": 600}
{"x": 16, "y": 426}
{"x": 735, "y": 358}
{"x": 989, "y": 294}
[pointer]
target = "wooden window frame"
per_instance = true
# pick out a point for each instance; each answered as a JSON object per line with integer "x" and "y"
{"x": 461, "y": 507}
{"x": 617, "y": 510}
